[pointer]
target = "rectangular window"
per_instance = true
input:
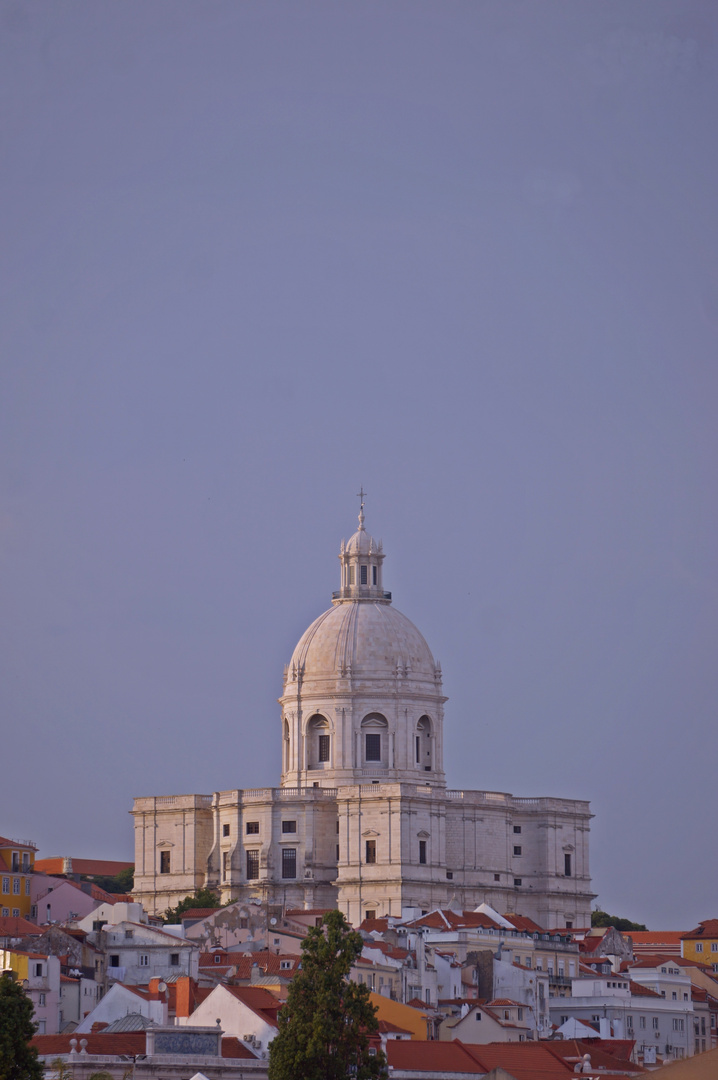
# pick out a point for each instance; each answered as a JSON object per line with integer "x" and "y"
{"x": 518, "y": 882}
{"x": 27, "y": 886}
{"x": 373, "y": 747}
{"x": 289, "y": 826}
{"x": 114, "y": 960}
{"x": 674, "y": 996}
{"x": 497, "y": 877}
{"x": 174, "y": 959}
{"x": 15, "y": 861}
{"x": 6, "y": 884}
{"x": 337, "y": 852}
{"x": 363, "y": 571}
{"x": 714, "y": 946}
{"x": 517, "y": 849}
{"x": 252, "y": 865}
{"x": 351, "y": 575}
{"x": 225, "y": 862}
{"x": 699, "y": 946}
{"x": 642, "y": 1021}
{"x": 324, "y": 748}
{"x": 26, "y": 860}
{"x": 517, "y": 828}
{"x": 164, "y": 862}
{"x": 418, "y": 748}
{"x": 373, "y": 575}
{"x": 289, "y": 862}
{"x": 144, "y": 959}
{"x": 41, "y": 1027}
{"x": 567, "y": 865}
{"x": 655, "y": 1021}
{"x": 422, "y": 851}
{"x": 252, "y": 828}
{"x": 16, "y": 886}
{"x": 38, "y": 970}
{"x": 225, "y": 830}
{"x": 371, "y": 851}
{"x": 243, "y": 922}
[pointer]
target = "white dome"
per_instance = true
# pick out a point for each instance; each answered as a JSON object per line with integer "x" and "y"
{"x": 367, "y": 640}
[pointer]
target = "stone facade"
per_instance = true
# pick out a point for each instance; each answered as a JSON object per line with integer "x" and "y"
{"x": 362, "y": 818}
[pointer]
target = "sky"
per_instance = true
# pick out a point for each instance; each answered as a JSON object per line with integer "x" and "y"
{"x": 255, "y": 255}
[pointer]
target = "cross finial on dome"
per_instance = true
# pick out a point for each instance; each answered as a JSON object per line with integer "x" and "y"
{"x": 361, "y": 494}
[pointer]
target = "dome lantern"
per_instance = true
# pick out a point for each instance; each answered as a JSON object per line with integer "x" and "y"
{"x": 361, "y": 559}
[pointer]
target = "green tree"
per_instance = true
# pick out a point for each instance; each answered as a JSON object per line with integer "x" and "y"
{"x": 602, "y": 918}
{"x": 325, "y": 1025}
{"x": 203, "y": 898}
{"x": 18, "y": 1059}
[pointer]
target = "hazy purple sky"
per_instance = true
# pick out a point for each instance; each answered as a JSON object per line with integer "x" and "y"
{"x": 466, "y": 254}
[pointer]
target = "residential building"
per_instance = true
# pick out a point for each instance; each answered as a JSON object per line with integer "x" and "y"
{"x": 701, "y": 944}
{"x": 40, "y": 977}
{"x": 362, "y": 818}
{"x": 17, "y": 864}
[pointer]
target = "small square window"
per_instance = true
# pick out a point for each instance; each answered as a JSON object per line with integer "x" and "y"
{"x": 252, "y": 828}
{"x": 449, "y": 875}
{"x": 129, "y": 934}
{"x": 497, "y": 877}
{"x": 699, "y": 946}
{"x": 225, "y": 830}
{"x": 144, "y": 960}
{"x": 517, "y": 828}
{"x": 289, "y": 826}
{"x": 517, "y": 849}
{"x": 114, "y": 960}
{"x": 174, "y": 959}
{"x": 217, "y": 958}
{"x": 518, "y": 882}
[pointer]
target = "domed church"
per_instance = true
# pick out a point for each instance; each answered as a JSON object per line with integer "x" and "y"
{"x": 362, "y": 819}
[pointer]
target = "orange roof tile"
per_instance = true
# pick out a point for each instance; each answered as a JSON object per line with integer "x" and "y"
{"x": 91, "y": 867}
{"x": 427, "y": 1057}
{"x": 706, "y": 929}
{"x": 16, "y": 926}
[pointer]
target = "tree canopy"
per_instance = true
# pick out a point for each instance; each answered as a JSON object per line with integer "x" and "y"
{"x": 203, "y": 898}
{"x": 18, "y": 1059}
{"x": 324, "y": 1027}
{"x": 602, "y": 918}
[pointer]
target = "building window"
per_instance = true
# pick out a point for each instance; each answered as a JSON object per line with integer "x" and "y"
{"x": 373, "y": 746}
{"x": 243, "y": 922}
{"x": 418, "y": 748}
{"x": 337, "y": 852}
{"x": 422, "y": 851}
{"x": 16, "y": 911}
{"x": 373, "y": 575}
{"x": 16, "y": 886}
{"x": 114, "y": 960}
{"x": 497, "y": 877}
{"x": 370, "y": 851}
{"x": 655, "y": 1021}
{"x": 324, "y": 748}
{"x": 517, "y": 829}
{"x": 699, "y": 946}
{"x": 6, "y": 884}
{"x": 518, "y": 882}
{"x": 363, "y": 580}
{"x": 41, "y": 999}
{"x": 252, "y": 865}
{"x": 174, "y": 959}
{"x": 6, "y": 911}
{"x": 714, "y": 946}
{"x": 225, "y": 862}
{"x": 289, "y": 862}
{"x": 225, "y": 830}
{"x": 567, "y": 865}
{"x": 164, "y": 862}
{"x": 517, "y": 849}
{"x": 217, "y": 958}
{"x": 449, "y": 875}
{"x": 41, "y": 1027}
{"x": 15, "y": 861}
{"x": 38, "y": 970}
{"x": 252, "y": 828}
{"x": 351, "y": 575}
{"x": 27, "y": 886}
{"x": 289, "y": 826}
{"x": 144, "y": 959}
{"x": 641, "y": 1021}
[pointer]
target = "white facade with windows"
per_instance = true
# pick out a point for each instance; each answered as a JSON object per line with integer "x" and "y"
{"x": 362, "y": 818}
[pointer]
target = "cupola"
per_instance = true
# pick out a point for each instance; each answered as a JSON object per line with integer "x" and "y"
{"x": 361, "y": 559}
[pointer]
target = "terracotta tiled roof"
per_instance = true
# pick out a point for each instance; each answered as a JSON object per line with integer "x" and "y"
{"x": 505, "y": 1003}
{"x": 126, "y": 1042}
{"x": 379, "y": 926}
{"x": 18, "y": 844}
{"x": 258, "y": 1000}
{"x": 602, "y": 1058}
{"x": 269, "y": 963}
{"x": 452, "y": 920}
{"x": 385, "y": 1026}
{"x": 706, "y": 929}
{"x": 16, "y": 926}
{"x": 235, "y": 1048}
{"x": 522, "y": 922}
{"x": 431, "y": 1057}
{"x": 417, "y": 1003}
{"x": 524, "y": 1061}
{"x": 641, "y": 991}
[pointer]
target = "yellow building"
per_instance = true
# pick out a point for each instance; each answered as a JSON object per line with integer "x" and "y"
{"x": 701, "y": 944}
{"x": 17, "y": 861}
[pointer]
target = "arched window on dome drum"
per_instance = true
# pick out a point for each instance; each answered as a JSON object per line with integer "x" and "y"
{"x": 423, "y": 744}
{"x": 375, "y": 739}
{"x": 319, "y": 742}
